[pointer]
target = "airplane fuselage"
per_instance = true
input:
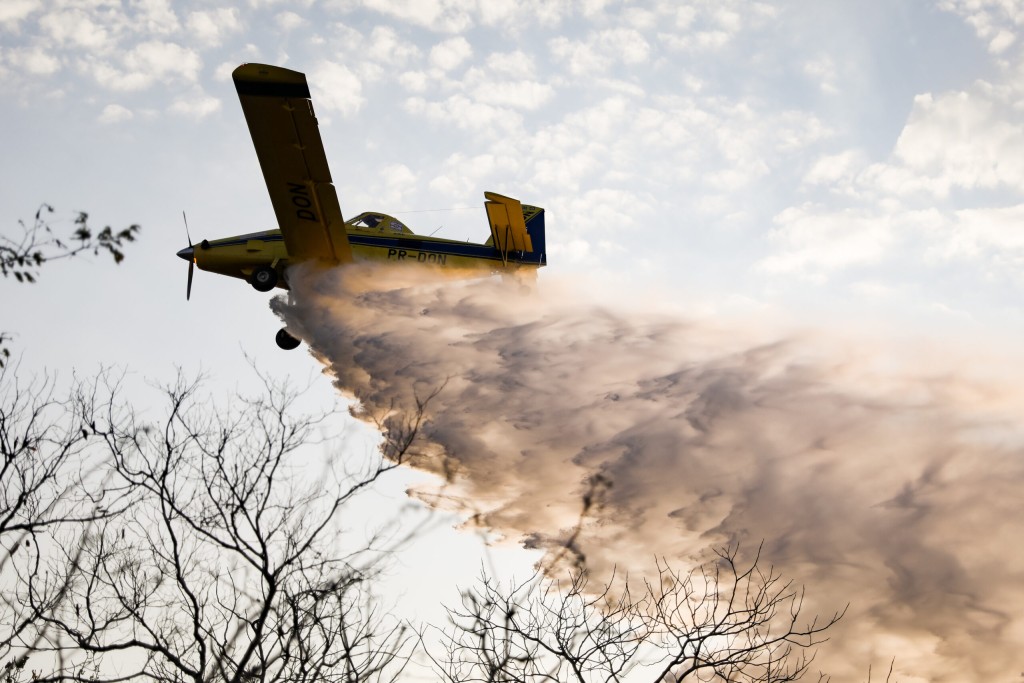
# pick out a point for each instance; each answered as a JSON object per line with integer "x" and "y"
{"x": 389, "y": 241}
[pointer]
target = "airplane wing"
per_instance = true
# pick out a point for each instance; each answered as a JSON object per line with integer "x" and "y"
{"x": 279, "y": 112}
{"x": 508, "y": 227}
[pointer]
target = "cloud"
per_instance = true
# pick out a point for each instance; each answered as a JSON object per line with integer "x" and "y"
{"x": 212, "y": 26}
{"x": 812, "y": 242}
{"x": 414, "y": 81}
{"x": 198, "y": 105}
{"x": 447, "y": 16}
{"x": 967, "y": 140}
{"x": 994, "y": 21}
{"x": 823, "y": 70}
{"x": 467, "y": 114}
{"x": 288, "y": 20}
{"x": 32, "y": 60}
{"x": 388, "y": 47}
{"x": 461, "y": 175}
{"x": 529, "y": 95}
{"x": 885, "y": 478}
{"x": 115, "y": 113}
{"x": 74, "y": 27}
{"x": 147, "y": 64}
{"x": 336, "y": 88}
{"x": 929, "y": 204}
{"x": 516, "y": 64}
{"x": 13, "y": 12}
{"x": 153, "y": 17}
{"x": 601, "y": 50}
{"x": 449, "y": 54}
{"x": 992, "y": 234}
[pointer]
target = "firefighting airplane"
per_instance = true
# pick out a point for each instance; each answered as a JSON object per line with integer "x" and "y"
{"x": 279, "y": 111}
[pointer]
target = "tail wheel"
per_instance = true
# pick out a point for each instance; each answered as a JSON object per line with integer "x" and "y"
{"x": 285, "y": 340}
{"x": 263, "y": 279}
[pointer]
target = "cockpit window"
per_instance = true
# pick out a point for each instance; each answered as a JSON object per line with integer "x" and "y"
{"x": 368, "y": 221}
{"x": 376, "y": 221}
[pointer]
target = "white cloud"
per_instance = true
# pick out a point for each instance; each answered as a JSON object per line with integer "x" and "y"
{"x": 994, "y": 233}
{"x": 529, "y": 95}
{"x": 449, "y": 16}
{"x": 32, "y": 60}
{"x": 462, "y": 175}
{"x": 387, "y": 47}
{"x": 449, "y": 54}
{"x": 639, "y": 18}
{"x": 601, "y": 50}
{"x": 813, "y": 241}
{"x": 580, "y": 57}
{"x": 393, "y": 184}
{"x": 196, "y": 106}
{"x": 1002, "y": 40}
{"x": 288, "y": 20}
{"x": 154, "y": 17}
{"x": 223, "y": 72}
{"x": 115, "y": 113}
{"x": 836, "y": 169}
{"x": 464, "y": 113}
{"x": 962, "y": 140}
{"x": 517, "y": 64}
{"x": 147, "y": 64}
{"x": 414, "y": 81}
{"x": 12, "y": 12}
{"x": 994, "y": 21}
{"x": 211, "y": 26}
{"x": 76, "y": 28}
{"x": 710, "y": 26}
{"x": 336, "y": 88}
{"x": 823, "y": 70}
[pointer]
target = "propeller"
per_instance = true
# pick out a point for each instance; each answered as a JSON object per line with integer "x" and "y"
{"x": 190, "y": 254}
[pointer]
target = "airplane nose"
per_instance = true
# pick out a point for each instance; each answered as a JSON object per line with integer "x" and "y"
{"x": 187, "y": 253}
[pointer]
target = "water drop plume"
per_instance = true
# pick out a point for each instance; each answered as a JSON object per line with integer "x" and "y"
{"x": 888, "y": 478}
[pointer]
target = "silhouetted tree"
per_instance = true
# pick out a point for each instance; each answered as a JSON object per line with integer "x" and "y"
{"x": 22, "y": 256}
{"x": 53, "y": 480}
{"x": 717, "y": 622}
{"x": 230, "y": 565}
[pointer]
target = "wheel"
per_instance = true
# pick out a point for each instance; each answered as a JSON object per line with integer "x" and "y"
{"x": 285, "y": 340}
{"x": 263, "y": 279}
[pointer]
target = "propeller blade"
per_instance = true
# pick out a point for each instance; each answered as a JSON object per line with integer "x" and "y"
{"x": 185, "y": 218}
{"x": 190, "y": 255}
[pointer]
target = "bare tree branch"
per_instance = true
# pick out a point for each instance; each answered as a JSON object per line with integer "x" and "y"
{"x": 716, "y": 622}
{"x": 22, "y": 256}
{"x": 229, "y": 565}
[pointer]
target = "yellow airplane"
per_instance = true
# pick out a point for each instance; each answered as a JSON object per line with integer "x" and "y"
{"x": 279, "y": 111}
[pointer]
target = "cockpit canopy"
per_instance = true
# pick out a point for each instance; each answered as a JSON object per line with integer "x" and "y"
{"x": 379, "y": 223}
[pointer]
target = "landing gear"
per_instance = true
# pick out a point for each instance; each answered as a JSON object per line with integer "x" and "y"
{"x": 285, "y": 340}
{"x": 263, "y": 279}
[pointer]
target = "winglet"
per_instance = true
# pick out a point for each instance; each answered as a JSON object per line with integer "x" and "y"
{"x": 264, "y": 80}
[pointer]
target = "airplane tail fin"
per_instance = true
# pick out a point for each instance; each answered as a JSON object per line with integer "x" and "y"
{"x": 533, "y": 217}
{"x": 517, "y": 230}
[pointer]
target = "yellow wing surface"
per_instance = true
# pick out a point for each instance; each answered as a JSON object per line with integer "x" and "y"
{"x": 508, "y": 228}
{"x": 284, "y": 130}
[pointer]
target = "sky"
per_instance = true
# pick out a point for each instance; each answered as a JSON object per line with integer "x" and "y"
{"x": 842, "y": 183}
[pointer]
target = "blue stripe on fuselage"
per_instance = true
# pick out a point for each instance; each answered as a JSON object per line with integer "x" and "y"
{"x": 468, "y": 249}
